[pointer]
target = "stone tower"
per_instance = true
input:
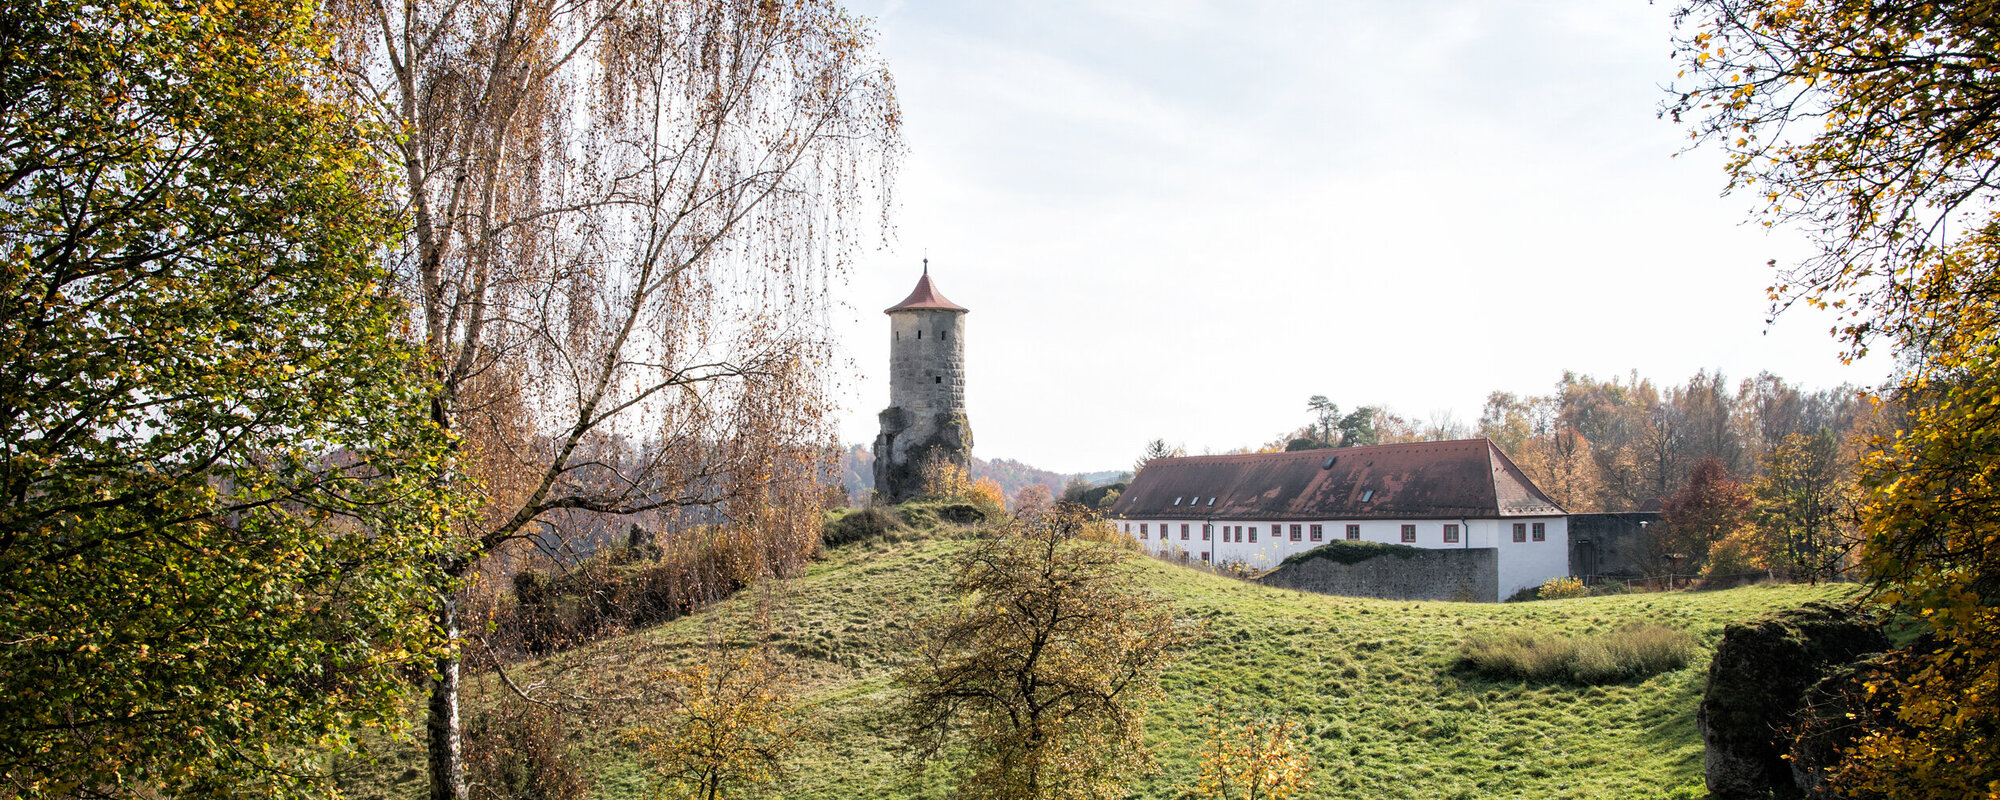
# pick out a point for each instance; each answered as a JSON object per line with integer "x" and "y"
{"x": 925, "y": 419}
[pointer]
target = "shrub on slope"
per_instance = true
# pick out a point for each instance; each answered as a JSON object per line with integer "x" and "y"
{"x": 1630, "y": 652}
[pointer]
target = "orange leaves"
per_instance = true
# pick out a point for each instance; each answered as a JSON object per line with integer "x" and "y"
{"x": 945, "y": 479}
{"x": 987, "y": 492}
{"x": 1874, "y": 125}
{"x": 1884, "y": 143}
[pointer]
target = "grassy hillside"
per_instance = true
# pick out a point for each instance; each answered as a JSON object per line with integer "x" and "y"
{"x": 1385, "y": 713}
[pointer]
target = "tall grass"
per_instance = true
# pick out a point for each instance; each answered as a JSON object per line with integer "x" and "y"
{"x": 1628, "y": 653}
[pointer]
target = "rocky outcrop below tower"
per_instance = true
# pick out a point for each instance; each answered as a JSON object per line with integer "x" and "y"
{"x": 908, "y": 441}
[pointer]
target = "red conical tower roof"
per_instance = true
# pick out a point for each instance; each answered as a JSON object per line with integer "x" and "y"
{"x": 925, "y": 298}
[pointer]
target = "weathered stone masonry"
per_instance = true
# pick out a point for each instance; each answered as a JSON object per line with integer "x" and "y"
{"x": 926, "y": 418}
{"x": 1396, "y": 573}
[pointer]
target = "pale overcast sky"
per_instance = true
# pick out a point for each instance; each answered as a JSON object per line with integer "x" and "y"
{"x": 1182, "y": 219}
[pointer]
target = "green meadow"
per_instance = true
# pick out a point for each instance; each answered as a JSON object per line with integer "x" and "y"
{"x": 1376, "y": 686}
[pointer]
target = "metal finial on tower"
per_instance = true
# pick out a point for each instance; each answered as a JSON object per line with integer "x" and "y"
{"x": 927, "y": 265}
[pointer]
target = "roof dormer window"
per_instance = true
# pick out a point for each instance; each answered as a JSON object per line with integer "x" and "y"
{"x": 1367, "y": 495}
{"x": 1177, "y": 501}
{"x": 1211, "y": 501}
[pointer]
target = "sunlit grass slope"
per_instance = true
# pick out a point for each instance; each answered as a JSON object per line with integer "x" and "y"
{"x": 1371, "y": 682}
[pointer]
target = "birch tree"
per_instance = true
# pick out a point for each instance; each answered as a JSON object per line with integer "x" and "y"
{"x": 623, "y": 219}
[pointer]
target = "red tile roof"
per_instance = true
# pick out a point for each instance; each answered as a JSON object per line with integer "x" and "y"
{"x": 924, "y": 298}
{"x": 1465, "y": 478}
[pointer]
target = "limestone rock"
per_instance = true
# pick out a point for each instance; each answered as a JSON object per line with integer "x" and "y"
{"x": 1757, "y": 686}
{"x": 905, "y": 445}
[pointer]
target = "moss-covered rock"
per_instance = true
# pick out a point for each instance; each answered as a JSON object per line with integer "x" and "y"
{"x": 928, "y": 514}
{"x": 850, "y": 525}
{"x": 1757, "y": 686}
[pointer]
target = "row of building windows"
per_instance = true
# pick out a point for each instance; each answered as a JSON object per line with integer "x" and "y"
{"x": 1450, "y": 534}
{"x": 1248, "y": 533}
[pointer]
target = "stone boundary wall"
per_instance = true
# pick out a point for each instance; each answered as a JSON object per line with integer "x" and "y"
{"x": 1421, "y": 574}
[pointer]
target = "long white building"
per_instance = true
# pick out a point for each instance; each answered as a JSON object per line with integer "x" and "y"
{"x": 1257, "y": 509}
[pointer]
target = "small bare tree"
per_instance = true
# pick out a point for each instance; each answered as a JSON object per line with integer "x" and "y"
{"x": 623, "y": 218}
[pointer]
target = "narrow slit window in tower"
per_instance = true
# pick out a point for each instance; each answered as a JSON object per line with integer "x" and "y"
{"x": 920, "y": 334}
{"x": 940, "y": 379}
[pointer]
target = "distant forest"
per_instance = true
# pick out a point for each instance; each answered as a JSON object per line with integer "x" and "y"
{"x": 1623, "y": 444}
{"x": 857, "y": 475}
{"x": 1627, "y": 444}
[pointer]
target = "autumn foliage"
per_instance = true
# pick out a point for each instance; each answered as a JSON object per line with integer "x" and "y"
{"x": 218, "y": 478}
{"x": 1706, "y": 511}
{"x": 1257, "y": 758}
{"x": 722, "y": 726}
{"x": 1933, "y": 548}
{"x": 1871, "y": 128}
{"x": 944, "y": 479}
{"x": 1043, "y": 669}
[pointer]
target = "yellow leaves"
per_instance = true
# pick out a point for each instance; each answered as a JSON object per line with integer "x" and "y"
{"x": 1252, "y": 759}
{"x": 1045, "y": 681}
{"x": 726, "y": 724}
{"x": 1931, "y": 517}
